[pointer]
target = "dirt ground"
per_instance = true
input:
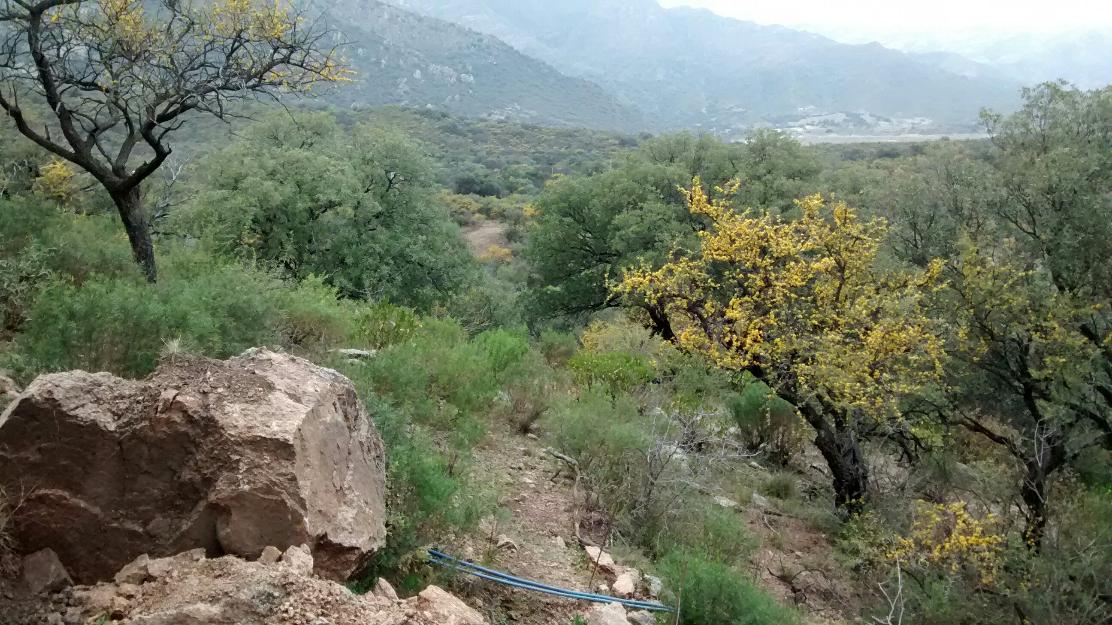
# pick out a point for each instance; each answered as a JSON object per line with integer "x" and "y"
{"x": 795, "y": 562}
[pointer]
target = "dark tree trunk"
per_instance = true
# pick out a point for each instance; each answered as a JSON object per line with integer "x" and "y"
{"x": 1034, "y": 501}
{"x": 842, "y": 451}
{"x": 130, "y": 205}
{"x": 1036, "y": 487}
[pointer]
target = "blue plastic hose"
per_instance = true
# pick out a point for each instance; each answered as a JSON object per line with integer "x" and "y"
{"x": 440, "y": 558}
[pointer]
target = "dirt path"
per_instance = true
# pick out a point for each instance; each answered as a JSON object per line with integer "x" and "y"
{"x": 481, "y": 236}
{"x": 539, "y": 521}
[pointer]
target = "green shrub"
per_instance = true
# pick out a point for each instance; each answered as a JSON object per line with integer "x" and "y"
{"x": 781, "y": 485}
{"x": 442, "y": 377}
{"x": 313, "y": 316}
{"x": 557, "y": 347}
{"x": 121, "y": 325}
{"x": 381, "y": 324}
{"x": 430, "y": 499}
{"x": 705, "y": 528}
{"x": 617, "y": 372}
{"x": 768, "y": 423}
{"x": 503, "y": 349}
{"x": 712, "y": 593}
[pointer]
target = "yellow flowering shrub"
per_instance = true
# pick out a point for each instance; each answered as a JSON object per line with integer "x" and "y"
{"x": 496, "y": 254}
{"x": 947, "y": 537}
{"x": 57, "y": 181}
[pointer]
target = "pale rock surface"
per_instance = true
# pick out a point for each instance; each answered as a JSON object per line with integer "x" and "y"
{"x": 607, "y": 614}
{"x": 437, "y": 606}
{"x": 384, "y": 590}
{"x": 604, "y": 560}
{"x": 298, "y": 560}
{"x": 626, "y": 584}
{"x": 264, "y": 449}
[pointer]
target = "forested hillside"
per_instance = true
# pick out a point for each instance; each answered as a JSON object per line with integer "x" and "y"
{"x": 752, "y": 382}
{"x": 407, "y": 59}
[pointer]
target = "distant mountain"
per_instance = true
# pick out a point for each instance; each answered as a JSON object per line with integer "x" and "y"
{"x": 1084, "y": 59}
{"x": 414, "y": 60}
{"x": 691, "y": 68}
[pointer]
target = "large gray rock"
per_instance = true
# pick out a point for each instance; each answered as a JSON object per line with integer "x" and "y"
{"x": 231, "y": 456}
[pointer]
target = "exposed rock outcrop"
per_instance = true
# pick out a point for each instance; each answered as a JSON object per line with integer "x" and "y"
{"x": 230, "y": 456}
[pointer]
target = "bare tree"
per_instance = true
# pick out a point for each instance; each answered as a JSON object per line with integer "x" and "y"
{"x": 104, "y": 83}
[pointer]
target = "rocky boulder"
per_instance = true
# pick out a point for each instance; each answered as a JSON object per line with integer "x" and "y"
{"x": 230, "y": 456}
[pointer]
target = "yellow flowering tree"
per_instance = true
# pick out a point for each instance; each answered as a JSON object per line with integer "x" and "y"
{"x": 948, "y": 539}
{"x": 806, "y": 307}
{"x": 103, "y": 84}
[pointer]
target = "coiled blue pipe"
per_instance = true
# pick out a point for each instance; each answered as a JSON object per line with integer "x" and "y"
{"x": 440, "y": 558}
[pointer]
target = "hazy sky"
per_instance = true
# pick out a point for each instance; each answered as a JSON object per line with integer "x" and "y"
{"x": 892, "y": 21}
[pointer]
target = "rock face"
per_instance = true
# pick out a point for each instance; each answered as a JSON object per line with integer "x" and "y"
{"x": 230, "y": 456}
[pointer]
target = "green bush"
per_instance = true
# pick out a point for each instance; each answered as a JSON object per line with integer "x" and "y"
{"x": 708, "y": 529}
{"x": 617, "y": 372}
{"x": 557, "y": 347}
{"x": 712, "y": 593}
{"x": 121, "y": 325}
{"x": 443, "y": 377}
{"x": 381, "y": 324}
{"x": 430, "y": 499}
{"x": 781, "y": 485}
{"x": 767, "y": 423}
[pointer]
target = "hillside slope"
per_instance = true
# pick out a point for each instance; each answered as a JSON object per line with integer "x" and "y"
{"x": 687, "y": 67}
{"x": 412, "y": 60}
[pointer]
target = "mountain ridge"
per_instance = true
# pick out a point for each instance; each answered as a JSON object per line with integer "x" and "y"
{"x": 689, "y": 67}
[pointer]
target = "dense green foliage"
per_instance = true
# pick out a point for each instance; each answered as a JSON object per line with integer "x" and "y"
{"x": 358, "y": 210}
{"x": 988, "y": 490}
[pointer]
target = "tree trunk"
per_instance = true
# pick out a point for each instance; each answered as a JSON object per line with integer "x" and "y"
{"x": 130, "y": 206}
{"x": 1034, "y": 500}
{"x": 842, "y": 452}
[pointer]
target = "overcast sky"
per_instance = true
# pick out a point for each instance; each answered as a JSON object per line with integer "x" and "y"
{"x": 895, "y": 21}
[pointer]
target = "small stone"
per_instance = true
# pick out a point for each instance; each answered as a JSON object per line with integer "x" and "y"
{"x": 384, "y": 590}
{"x": 73, "y": 616}
{"x": 505, "y": 542}
{"x": 298, "y": 560}
{"x": 137, "y": 572}
{"x": 726, "y": 502}
{"x": 129, "y": 591}
{"x": 761, "y": 501}
{"x": 603, "y": 589}
{"x": 119, "y": 608}
{"x": 655, "y": 586}
{"x": 532, "y": 437}
{"x": 608, "y": 614}
{"x": 625, "y": 585}
{"x": 270, "y": 555}
{"x": 641, "y": 617}
{"x": 43, "y": 573}
{"x": 604, "y": 561}
{"x": 356, "y": 354}
{"x": 560, "y": 543}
